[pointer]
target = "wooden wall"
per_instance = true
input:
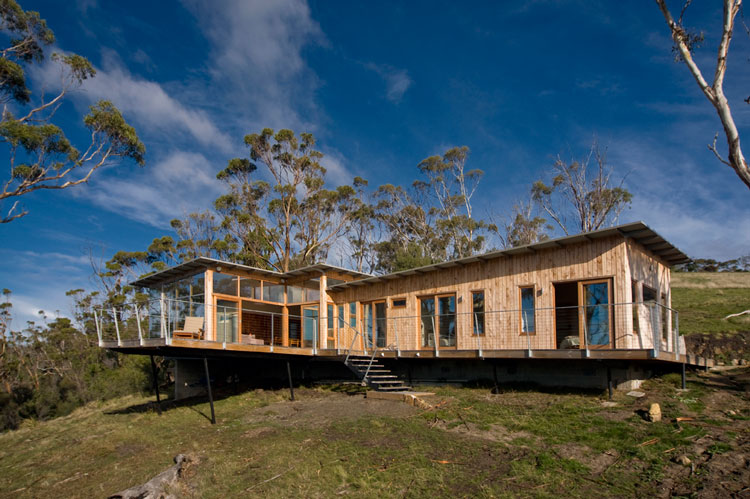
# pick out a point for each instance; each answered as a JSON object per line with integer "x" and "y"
{"x": 501, "y": 279}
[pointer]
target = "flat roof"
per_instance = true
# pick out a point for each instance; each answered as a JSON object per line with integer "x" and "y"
{"x": 202, "y": 263}
{"x": 637, "y": 231}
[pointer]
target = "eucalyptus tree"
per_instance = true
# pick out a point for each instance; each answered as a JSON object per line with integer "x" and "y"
{"x": 293, "y": 220}
{"x": 40, "y": 156}
{"x": 582, "y": 197}
{"x": 685, "y": 43}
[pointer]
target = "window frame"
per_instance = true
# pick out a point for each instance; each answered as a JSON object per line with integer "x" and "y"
{"x": 521, "y": 287}
{"x": 474, "y": 313}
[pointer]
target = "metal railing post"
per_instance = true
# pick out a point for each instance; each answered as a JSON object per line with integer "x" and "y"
{"x": 315, "y": 336}
{"x": 138, "y": 321}
{"x": 98, "y": 328}
{"x": 395, "y": 331}
{"x": 676, "y": 328}
{"x": 271, "y": 332}
{"x": 656, "y": 333}
{"x": 434, "y": 336}
{"x": 162, "y": 316}
{"x": 585, "y": 331}
{"x": 528, "y": 332}
{"x": 117, "y": 327}
{"x": 479, "y": 337}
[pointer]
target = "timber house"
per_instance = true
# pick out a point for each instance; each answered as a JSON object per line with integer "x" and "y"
{"x": 602, "y": 296}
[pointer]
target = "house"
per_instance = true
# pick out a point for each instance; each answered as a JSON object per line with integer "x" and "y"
{"x": 601, "y": 297}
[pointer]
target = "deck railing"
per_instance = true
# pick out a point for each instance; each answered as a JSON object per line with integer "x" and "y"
{"x": 622, "y": 326}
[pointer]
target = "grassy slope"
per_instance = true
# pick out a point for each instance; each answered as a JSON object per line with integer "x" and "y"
{"x": 704, "y": 299}
{"x": 329, "y": 443}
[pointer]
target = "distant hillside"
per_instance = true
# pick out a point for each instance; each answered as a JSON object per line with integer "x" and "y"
{"x": 703, "y": 299}
{"x": 711, "y": 279}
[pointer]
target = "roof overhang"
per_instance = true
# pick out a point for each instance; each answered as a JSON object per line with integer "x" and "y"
{"x": 636, "y": 231}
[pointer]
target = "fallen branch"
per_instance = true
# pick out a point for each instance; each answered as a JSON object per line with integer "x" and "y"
{"x": 270, "y": 479}
{"x": 737, "y": 314}
{"x": 156, "y": 487}
{"x": 648, "y": 442}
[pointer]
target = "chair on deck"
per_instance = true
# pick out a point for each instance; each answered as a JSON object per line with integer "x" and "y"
{"x": 191, "y": 330}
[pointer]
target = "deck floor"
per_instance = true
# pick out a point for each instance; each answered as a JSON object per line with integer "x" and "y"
{"x": 202, "y": 348}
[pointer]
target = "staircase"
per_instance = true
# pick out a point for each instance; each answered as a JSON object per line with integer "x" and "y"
{"x": 375, "y": 375}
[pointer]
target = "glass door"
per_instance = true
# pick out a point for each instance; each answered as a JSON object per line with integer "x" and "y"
{"x": 374, "y": 322}
{"x": 227, "y": 321}
{"x": 596, "y": 313}
{"x": 447, "y": 321}
{"x": 427, "y": 321}
{"x": 438, "y": 323}
{"x": 309, "y": 326}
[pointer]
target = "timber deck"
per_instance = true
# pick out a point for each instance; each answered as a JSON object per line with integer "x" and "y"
{"x": 202, "y": 348}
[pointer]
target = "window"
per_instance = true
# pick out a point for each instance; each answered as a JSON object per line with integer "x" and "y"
{"x": 250, "y": 288}
{"x": 331, "y": 336}
{"x": 649, "y": 294}
{"x": 342, "y": 322}
{"x": 353, "y": 315}
{"x": 527, "y": 310}
{"x": 477, "y": 307}
{"x": 295, "y": 294}
{"x": 399, "y": 302}
{"x": 273, "y": 292}
{"x": 440, "y": 326}
{"x": 225, "y": 284}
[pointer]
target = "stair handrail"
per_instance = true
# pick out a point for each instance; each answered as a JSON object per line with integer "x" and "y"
{"x": 351, "y": 345}
{"x": 391, "y": 347}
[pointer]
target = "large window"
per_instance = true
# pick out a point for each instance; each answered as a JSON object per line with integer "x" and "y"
{"x": 225, "y": 284}
{"x": 438, "y": 320}
{"x": 250, "y": 288}
{"x": 528, "y": 307}
{"x": 477, "y": 308}
{"x": 273, "y": 292}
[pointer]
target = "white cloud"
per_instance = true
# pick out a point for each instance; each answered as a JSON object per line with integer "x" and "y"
{"x": 397, "y": 81}
{"x": 257, "y": 61}
{"x": 180, "y": 183}
{"x": 146, "y": 104}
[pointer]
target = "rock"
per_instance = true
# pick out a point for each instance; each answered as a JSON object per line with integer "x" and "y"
{"x": 159, "y": 487}
{"x": 735, "y": 362}
{"x": 730, "y": 412}
{"x": 683, "y": 460}
{"x": 654, "y": 413}
{"x": 608, "y": 403}
{"x": 636, "y": 394}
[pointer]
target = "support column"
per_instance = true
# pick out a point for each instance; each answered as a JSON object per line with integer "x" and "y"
{"x": 291, "y": 385}
{"x": 285, "y": 326}
{"x": 155, "y": 374}
{"x": 208, "y": 387}
{"x": 209, "y": 311}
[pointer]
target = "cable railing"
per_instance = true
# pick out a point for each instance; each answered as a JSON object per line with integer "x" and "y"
{"x": 167, "y": 320}
{"x": 622, "y": 326}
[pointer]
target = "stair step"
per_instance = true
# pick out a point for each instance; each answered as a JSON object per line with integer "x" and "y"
{"x": 393, "y": 389}
{"x": 386, "y": 381}
{"x": 382, "y": 376}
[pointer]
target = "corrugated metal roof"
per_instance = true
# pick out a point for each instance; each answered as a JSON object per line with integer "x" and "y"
{"x": 638, "y": 231}
{"x": 202, "y": 263}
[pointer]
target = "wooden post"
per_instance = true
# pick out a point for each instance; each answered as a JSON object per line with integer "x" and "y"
{"x": 285, "y": 320}
{"x": 609, "y": 382}
{"x": 684, "y": 384}
{"x": 155, "y": 373}
{"x": 208, "y": 386}
{"x": 323, "y": 314}
{"x": 208, "y": 309}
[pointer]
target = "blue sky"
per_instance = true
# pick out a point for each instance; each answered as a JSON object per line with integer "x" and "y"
{"x": 382, "y": 86}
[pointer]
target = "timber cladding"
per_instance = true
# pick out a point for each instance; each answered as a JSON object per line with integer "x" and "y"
{"x": 615, "y": 259}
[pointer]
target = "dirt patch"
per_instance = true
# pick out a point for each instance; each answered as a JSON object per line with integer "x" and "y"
{"x": 315, "y": 411}
{"x": 495, "y": 433}
{"x": 595, "y": 461}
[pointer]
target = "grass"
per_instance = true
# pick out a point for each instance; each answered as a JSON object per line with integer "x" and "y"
{"x": 703, "y": 300}
{"x": 473, "y": 443}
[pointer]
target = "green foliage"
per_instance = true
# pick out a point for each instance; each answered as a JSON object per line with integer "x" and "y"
{"x": 47, "y": 371}
{"x": 40, "y": 155}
